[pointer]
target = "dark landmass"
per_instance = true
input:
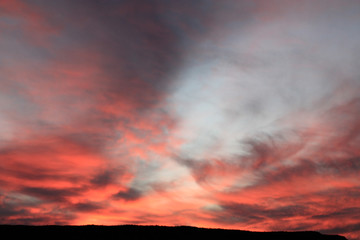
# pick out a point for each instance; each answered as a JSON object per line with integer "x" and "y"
{"x": 149, "y": 232}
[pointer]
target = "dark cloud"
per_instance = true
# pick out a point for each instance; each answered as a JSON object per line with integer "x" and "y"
{"x": 136, "y": 40}
{"x": 306, "y": 169}
{"x": 104, "y": 178}
{"x": 347, "y": 213}
{"x": 341, "y": 192}
{"x": 31, "y": 219}
{"x": 266, "y": 149}
{"x": 7, "y": 210}
{"x": 86, "y": 207}
{"x": 18, "y": 210}
{"x": 342, "y": 229}
{"x": 196, "y": 167}
{"x": 51, "y": 194}
{"x": 135, "y": 37}
{"x": 130, "y": 194}
{"x": 252, "y": 213}
{"x": 50, "y": 144}
{"x": 204, "y": 170}
{"x": 333, "y": 198}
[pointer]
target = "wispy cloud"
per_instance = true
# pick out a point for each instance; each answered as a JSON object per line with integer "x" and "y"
{"x": 239, "y": 114}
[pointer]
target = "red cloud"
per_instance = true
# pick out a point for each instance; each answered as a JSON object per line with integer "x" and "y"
{"x": 86, "y": 136}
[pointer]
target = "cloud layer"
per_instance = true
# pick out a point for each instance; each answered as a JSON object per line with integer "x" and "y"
{"x": 232, "y": 114}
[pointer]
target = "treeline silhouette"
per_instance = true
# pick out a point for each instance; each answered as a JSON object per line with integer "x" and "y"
{"x": 149, "y": 232}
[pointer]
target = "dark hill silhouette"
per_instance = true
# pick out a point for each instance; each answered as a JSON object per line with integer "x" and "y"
{"x": 150, "y": 232}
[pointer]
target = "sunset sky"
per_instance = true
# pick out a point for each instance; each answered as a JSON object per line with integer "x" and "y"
{"x": 237, "y": 114}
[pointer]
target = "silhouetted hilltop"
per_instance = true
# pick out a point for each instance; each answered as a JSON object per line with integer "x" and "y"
{"x": 150, "y": 232}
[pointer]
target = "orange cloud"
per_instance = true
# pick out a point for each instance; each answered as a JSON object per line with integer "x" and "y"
{"x": 90, "y": 132}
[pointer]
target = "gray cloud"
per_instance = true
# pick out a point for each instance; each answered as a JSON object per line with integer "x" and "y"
{"x": 250, "y": 97}
{"x": 130, "y": 194}
{"x": 250, "y": 214}
{"x": 347, "y": 213}
{"x": 86, "y": 207}
{"x": 7, "y": 210}
{"x": 349, "y": 228}
{"x": 51, "y": 194}
{"x": 106, "y": 177}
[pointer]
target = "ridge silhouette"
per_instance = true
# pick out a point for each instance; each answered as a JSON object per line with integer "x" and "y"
{"x": 151, "y": 232}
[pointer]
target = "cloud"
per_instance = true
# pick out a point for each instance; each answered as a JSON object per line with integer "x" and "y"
{"x": 16, "y": 208}
{"x": 8, "y": 211}
{"x": 50, "y": 194}
{"x": 239, "y": 114}
{"x": 290, "y": 179}
{"x": 130, "y": 194}
{"x": 344, "y": 229}
{"x": 54, "y": 159}
{"x": 252, "y": 213}
{"x": 104, "y": 178}
{"x": 87, "y": 207}
{"x": 345, "y": 212}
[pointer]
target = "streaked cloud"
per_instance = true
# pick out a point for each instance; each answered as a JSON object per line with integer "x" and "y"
{"x": 233, "y": 114}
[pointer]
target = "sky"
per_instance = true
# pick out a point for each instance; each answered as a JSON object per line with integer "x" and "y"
{"x": 236, "y": 114}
